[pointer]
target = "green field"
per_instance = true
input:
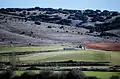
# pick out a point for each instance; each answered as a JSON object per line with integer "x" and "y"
{"x": 5, "y": 49}
{"x": 101, "y": 75}
{"x": 77, "y": 55}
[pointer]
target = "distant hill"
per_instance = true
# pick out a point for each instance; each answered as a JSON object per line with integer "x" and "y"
{"x": 44, "y": 26}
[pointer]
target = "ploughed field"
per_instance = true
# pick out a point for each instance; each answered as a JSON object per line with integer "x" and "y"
{"x": 104, "y": 46}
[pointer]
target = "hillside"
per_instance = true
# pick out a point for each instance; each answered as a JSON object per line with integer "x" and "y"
{"x": 46, "y": 26}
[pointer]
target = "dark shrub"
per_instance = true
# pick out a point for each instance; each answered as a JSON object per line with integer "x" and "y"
{"x": 108, "y": 25}
{"x": 37, "y": 8}
{"x": 75, "y": 74}
{"x": 29, "y": 44}
{"x": 88, "y": 11}
{"x": 108, "y": 17}
{"x": 10, "y": 9}
{"x": 97, "y": 18}
{"x": 24, "y": 12}
{"x": 114, "y": 13}
{"x": 64, "y": 22}
{"x": 5, "y": 75}
{"x": 49, "y": 12}
{"x": 98, "y": 11}
{"x": 73, "y": 17}
{"x": 49, "y": 27}
{"x": 62, "y": 75}
{"x": 105, "y": 13}
{"x": 38, "y": 23}
{"x": 22, "y": 15}
{"x": 91, "y": 78}
{"x": 64, "y": 12}
{"x": 46, "y": 74}
{"x": 91, "y": 31}
{"x": 107, "y": 34}
{"x": 67, "y": 31}
{"x": 28, "y": 13}
{"x": 31, "y": 32}
{"x": 115, "y": 77}
{"x": 28, "y": 75}
{"x": 80, "y": 46}
{"x": 34, "y": 13}
{"x": 16, "y": 77}
{"x": 26, "y": 19}
{"x": 61, "y": 27}
{"x": 39, "y": 76}
{"x": 22, "y": 33}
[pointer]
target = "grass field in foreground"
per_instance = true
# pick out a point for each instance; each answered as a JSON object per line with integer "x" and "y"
{"x": 77, "y": 55}
{"x": 101, "y": 75}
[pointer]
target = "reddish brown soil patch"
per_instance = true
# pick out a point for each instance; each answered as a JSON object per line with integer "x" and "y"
{"x": 104, "y": 46}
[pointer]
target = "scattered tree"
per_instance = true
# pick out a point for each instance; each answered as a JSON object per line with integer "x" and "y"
{"x": 67, "y": 31}
{"x": 22, "y": 33}
{"x": 24, "y": 12}
{"x": 28, "y": 13}
{"x": 49, "y": 27}
{"x": 75, "y": 74}
{"x": 61, "y": 27}
{"x": 38, "y": 23}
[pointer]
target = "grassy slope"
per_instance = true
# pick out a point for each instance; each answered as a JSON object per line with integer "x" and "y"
{"x": 102, "y": 75}
{"x": 4, "y": 49}
{"x": 88, "y": 55}
{"x": 82, "y": 55}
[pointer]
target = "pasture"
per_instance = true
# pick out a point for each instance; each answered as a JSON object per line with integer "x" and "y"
{"x": 102, "y": 75}
{"x": 76, "y": 55}
{"x": 5, "y": 49}
{"x": 62, "y": 55}
{"x": 99, "y": 75}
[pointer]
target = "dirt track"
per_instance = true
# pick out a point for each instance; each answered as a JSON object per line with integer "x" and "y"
{"x": 104, "y": 46}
